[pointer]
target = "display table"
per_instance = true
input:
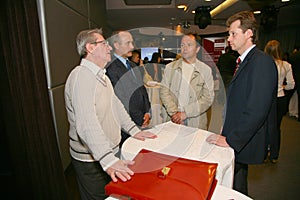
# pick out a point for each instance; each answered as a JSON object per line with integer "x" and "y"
{"x": 186, "y": 142}
{"x": 220, "y": 192}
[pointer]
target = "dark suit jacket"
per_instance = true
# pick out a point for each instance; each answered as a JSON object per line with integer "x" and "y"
{"x": 129, "y": 89}
{"x": 251, "y": 107}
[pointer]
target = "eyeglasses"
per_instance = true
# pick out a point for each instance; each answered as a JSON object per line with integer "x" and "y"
{"x": 105, "y": 42}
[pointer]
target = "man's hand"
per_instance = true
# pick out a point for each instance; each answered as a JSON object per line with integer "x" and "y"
{"x": 179, "y": 117}
{"x": 146, "y": 120}
{"x": 217, "y": 140}
{"x": 120, "y": 170}
{"x": 144, "y": 134}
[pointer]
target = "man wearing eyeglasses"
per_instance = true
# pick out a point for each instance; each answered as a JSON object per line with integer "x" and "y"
{"x": 96, "y": 117}
{"x": 127, "y": 80}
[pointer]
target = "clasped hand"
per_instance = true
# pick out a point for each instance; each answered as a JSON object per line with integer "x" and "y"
{"x": 179, "y": 117}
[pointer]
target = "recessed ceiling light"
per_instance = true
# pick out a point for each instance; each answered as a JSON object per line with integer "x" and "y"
{"x": 182, "y": 6}
{"x": 285, "y": 0}
{"x": 256, "y": 12}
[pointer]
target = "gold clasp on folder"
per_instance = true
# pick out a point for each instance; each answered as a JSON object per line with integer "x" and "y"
{"x": 164, "y": 172}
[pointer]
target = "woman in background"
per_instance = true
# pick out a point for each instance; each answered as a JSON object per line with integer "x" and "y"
{"x": 154, "y": 68}
{"x": 284, "y": 76}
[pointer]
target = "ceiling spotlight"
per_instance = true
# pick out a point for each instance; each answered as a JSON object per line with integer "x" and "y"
{"x": 202, "y": 16}
{"x": 186, "y": 24}
{"x": 182, "y": 6}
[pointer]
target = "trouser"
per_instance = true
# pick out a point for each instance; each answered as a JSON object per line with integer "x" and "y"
{"x": 91, "y": 180}
{"x": 298, "y": 93}
{"x": 275, "y": 136}
{"x": 240, "y": 182}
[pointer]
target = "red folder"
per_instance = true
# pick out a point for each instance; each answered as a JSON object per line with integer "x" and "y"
{"x": 164, "y": 177}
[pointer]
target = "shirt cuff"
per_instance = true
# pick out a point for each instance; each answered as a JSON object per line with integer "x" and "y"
{"x": 134, "y": 131}
{"x": 108, "y": 161}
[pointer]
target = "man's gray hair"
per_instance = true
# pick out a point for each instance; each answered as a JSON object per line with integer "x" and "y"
{"x": 84, "y": 37}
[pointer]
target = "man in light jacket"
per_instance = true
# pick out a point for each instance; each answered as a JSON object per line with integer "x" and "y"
{"x": 187, "y": 89}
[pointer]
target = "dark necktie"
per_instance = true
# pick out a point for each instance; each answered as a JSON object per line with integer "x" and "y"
{"x": 238, "y": 61}
{"x": 128, "y": 65}
{"x": 129, "y": 68}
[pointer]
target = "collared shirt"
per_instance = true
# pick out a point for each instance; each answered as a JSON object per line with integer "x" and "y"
{"x": 243, "y": 56}
{"x": 183, "y": 98}
{"x": 123, "y": 60}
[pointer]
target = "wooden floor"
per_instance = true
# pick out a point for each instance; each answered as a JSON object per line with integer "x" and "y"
{"x": 267, "y": 181}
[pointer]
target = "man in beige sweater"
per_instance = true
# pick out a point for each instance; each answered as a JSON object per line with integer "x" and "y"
{"x": 96, "y": 117}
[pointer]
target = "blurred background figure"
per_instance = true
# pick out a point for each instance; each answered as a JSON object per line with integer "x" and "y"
{"x": 146, "y": 60}
{"x": 136, "y": 58}
{"x": 226, "y": 65}
{"x": 154, "y": 67}
{"x": 285, "y": 75}
{"x": 286, "y": 57}
{"x": 295, "y": 61}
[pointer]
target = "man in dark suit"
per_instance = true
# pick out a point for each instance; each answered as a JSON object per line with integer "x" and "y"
{"x": 127, "y": 80}
{"x": 251, "y": 102}
{"x": 226, "y": 65}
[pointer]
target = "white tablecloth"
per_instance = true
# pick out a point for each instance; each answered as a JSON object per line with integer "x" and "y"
{"x": 186, "y": 142}
{"x": 220, "y": 193}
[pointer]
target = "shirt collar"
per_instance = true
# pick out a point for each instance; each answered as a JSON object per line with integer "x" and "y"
{"x": 123, "y": 60}
{"x": 243, "y": 56}
{"x": 92, "y": 66}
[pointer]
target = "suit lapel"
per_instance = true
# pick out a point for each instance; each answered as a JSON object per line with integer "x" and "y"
{"x": 244, "y": 63}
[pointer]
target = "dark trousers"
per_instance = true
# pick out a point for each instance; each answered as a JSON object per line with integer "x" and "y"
{"x": 298, "y": 93}
{"x": 124, "y": 136}
{"x": 274, "y": 135}
{"x": 240, "y": 182}
{"x": 91, "y": 180}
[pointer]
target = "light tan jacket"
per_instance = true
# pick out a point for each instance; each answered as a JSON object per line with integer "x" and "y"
{"x": 201, "y": 92}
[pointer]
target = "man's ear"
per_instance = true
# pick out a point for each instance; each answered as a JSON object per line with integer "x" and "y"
{"x": 249, "y": 33}
{"x": 116, "y": 45}
{"x": 89, "y": 47}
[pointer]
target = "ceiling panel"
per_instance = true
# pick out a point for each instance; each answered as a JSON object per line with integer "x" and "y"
{"x": 122, "y": 16}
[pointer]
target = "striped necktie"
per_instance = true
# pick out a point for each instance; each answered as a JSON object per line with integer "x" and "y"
{"x": 238, "y": 61}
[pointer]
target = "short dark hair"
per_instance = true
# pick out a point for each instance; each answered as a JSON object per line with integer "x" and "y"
{"x": 155, "y": 56}
{"x": 196, "y": 36}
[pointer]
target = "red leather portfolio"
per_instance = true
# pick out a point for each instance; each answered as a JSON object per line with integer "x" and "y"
{"x": 164, "y": 177}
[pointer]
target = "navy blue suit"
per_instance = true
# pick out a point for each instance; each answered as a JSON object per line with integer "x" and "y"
{"x": 251, "y": 109}
{"x": 129, "y": 89}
